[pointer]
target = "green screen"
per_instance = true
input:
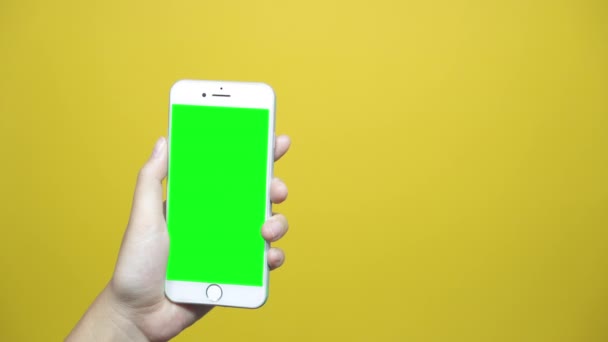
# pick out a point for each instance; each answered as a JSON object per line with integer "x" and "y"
{"x": 217, "y": 194}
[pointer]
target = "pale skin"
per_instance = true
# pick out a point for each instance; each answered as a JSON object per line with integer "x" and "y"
{"x": 133, "y": 305}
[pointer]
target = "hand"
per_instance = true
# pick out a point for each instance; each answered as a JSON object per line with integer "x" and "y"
{"x": 133, "y": 306}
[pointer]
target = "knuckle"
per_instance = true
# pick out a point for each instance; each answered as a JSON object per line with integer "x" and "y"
{"x": 145, "y": 172}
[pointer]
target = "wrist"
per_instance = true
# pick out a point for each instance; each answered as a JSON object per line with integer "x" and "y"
{"x": 106, "y": 320}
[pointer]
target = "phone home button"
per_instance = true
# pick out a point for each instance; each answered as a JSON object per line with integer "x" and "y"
{"x": 214, "y": 293}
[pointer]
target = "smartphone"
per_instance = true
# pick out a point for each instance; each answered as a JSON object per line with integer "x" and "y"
{"x": 221, "y": 157}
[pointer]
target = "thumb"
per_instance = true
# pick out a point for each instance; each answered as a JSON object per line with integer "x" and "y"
{"x": 147, "y": 210}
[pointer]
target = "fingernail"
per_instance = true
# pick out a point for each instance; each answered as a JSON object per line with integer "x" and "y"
{"x": 281, "y": 259}
{"x": 158, "y": 147}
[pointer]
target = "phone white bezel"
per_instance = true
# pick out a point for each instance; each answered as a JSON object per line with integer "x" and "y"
{"x": 225, "y": 94}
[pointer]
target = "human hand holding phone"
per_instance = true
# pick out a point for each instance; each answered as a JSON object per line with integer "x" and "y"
{"x": 133, "y": 305}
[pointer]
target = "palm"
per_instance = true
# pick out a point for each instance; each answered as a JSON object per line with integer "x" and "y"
{"x": 139, "y": 282}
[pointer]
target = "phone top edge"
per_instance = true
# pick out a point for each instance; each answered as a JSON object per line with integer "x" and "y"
{"x": 186, "y": 82}
{"x": 223, "y": 93}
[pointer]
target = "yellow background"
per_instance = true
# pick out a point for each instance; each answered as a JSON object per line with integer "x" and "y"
{"x": 448, "y": 178}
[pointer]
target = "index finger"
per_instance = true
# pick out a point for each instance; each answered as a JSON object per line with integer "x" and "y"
{"x": 281, "y": 146}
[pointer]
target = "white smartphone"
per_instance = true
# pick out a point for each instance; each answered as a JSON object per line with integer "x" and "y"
{"x": 221, "y": 157}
